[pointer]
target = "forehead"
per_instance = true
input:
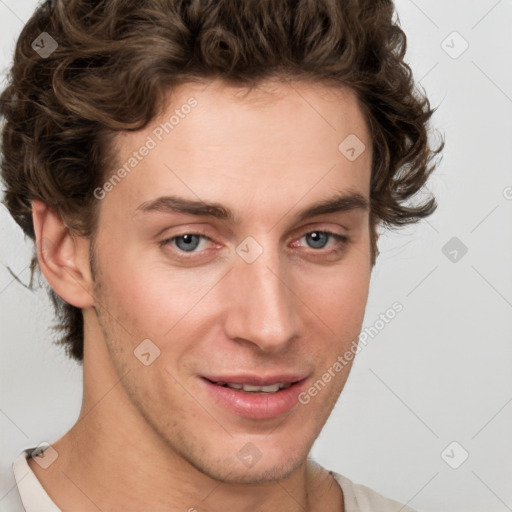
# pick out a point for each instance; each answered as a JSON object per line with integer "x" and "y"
{"x": 216, "y": 141}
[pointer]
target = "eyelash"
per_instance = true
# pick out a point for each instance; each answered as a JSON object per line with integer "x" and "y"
{"x": 343, "y": 241}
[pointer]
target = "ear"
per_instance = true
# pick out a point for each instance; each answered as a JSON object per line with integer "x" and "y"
{"x": 63, "y": 257}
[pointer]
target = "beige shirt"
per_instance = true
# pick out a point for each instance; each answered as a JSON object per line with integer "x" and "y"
{"x": 28, "y": 495}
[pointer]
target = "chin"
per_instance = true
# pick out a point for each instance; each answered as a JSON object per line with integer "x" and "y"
{"x": 273, "y": 467}
{"x": 259, "y": 474}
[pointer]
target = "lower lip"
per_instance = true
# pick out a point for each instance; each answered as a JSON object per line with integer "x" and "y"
{"x": 256, "y": 405}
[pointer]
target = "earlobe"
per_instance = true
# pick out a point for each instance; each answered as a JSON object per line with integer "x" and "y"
{"x": 63, "y": 257}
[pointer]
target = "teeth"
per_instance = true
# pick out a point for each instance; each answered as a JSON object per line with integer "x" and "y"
{"x": 273, "y": 388}
{"x": 265, "y": 389}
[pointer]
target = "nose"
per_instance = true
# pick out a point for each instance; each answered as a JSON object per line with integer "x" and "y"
{"x": 262, "y": 303}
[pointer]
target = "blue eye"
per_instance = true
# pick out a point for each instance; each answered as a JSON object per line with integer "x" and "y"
{"x": 186, "y": 243}
{"x": 190, "y": 242}
{"x": 319, "y": 239}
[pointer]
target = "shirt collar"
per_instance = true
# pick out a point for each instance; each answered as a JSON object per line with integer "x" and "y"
{"x": 32, "y": 493}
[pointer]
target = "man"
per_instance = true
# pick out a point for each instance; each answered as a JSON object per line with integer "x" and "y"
{"x": 204, "y": 181}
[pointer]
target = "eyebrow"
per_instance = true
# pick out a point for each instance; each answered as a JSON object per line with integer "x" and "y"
{"x": 343, "y": 202}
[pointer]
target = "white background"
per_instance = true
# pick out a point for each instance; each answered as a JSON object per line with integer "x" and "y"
{"x": 441, "y": 370}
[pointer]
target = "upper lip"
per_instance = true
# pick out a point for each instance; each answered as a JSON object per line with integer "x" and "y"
{"x": 257, "y": 380}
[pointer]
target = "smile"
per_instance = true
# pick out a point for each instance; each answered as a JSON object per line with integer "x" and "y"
{"x": 249, "y": 388}
{"x": 255, "y": 397}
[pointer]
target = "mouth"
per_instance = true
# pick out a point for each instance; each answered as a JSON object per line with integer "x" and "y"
{"x": 256, "y": 397}
{"x": 250, "y": 388}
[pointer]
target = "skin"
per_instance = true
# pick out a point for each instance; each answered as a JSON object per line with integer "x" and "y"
{"x": 151, "y": 437}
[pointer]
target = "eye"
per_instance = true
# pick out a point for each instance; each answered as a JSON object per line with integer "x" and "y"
{"x": 188, "y": 242}
{"x": 320, "y": 239}
{"x": 317, "y": 239}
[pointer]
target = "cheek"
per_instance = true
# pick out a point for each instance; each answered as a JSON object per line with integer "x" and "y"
{"x": 337, "y": 297}
{"x": 155, "y": 299}
{"x": 347, "y": 300}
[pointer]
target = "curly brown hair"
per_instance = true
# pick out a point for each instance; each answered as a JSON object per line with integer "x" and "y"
{"x": 117, "y": 59}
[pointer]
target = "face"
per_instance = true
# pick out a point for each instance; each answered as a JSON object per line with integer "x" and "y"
{"x": 236, "y": 249}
